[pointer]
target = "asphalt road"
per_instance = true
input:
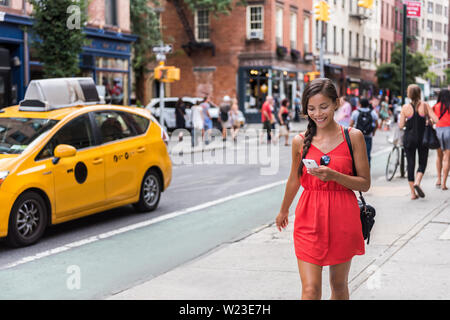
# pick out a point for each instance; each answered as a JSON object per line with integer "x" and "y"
{"x": 210, "y": 202}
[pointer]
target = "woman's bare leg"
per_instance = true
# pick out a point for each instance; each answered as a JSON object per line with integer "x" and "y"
{"x": 439, "y": 160}
{"x": 339, "y": 281}
{"x": 311, "y": 277}
{"x": 446, "y": 168}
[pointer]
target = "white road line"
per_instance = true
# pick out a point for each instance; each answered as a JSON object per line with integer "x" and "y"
{"x": 139, "y": 225}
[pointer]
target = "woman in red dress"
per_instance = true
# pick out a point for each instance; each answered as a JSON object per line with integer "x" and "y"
{"x": 327, "y": 227}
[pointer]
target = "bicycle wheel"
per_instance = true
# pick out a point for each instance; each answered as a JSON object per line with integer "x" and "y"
{"x": 392, "y": 163}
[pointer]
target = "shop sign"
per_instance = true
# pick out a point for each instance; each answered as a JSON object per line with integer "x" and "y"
{"x": 413, "y": 9}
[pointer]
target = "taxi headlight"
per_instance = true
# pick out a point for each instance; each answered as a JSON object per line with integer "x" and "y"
{"x": 3, "y": 175}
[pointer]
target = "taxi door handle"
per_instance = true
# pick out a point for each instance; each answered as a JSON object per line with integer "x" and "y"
{"x": 141, "y": 149}
{"x": 98, "y": 161}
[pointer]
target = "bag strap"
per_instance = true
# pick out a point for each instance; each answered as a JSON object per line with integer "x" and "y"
{"x": 349, "y": 143}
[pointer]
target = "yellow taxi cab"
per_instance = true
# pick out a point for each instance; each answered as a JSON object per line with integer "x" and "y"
{"x": 64, "y": 155}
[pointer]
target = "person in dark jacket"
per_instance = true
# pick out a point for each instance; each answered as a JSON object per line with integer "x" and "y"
{"x": 180, "y": 113}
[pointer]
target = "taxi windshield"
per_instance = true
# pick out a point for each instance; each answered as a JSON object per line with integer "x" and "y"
{"x": 16, "y": 134}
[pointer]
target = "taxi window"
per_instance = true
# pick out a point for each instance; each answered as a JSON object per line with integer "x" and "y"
{"x": 17, "y": 134}
{"x": 112, "y": 126}
{"x": 77, "y": 133}
{"x": 140, "y": 124}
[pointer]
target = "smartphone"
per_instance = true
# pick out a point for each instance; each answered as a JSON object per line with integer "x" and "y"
{"x": 310, "y": 163}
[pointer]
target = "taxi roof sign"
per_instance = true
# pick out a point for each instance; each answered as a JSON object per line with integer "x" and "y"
{"x": 49, "y": 94}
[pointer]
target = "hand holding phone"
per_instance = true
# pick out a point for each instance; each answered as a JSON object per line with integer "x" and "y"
{"x": 310, "y": 163}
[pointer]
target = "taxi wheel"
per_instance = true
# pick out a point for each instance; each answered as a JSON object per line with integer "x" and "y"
{"x": 150, "y": 192}
{"x": 27, "y": 221}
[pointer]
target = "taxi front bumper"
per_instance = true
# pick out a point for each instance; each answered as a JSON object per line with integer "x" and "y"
{"x": 6, "y": 203}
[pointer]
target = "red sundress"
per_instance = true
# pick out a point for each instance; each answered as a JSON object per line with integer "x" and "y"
{"x": 327, "y": 227}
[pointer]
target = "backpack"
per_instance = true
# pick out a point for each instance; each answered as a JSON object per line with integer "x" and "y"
{"x": 365, "y": 122}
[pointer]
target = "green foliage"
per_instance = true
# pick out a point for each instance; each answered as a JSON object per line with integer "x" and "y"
{"x": 58, "y": 35}
{"x": 215, "y": 6}
{"x": 390, "y": 74}
{"x": 447, "y": 76}
{"x": 144, "y": 24}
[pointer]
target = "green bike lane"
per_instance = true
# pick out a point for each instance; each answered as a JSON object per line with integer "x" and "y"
{"x": 98, "y": 269}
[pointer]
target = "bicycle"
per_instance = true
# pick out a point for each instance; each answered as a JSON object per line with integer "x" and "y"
{"x": 397, "y": 156}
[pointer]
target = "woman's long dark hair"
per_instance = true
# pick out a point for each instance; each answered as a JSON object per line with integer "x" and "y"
{"x": 322, "y": 86}
{"x": 444, "y": 99}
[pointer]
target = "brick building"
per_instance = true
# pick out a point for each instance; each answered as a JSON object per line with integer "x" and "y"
{"x": 260, "y": 49}
{"x": 107, "y": 58}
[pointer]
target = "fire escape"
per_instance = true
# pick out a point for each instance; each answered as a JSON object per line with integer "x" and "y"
{"x": 193, "y": 45}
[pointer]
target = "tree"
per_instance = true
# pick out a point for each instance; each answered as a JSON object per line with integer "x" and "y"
{"x": 58, "y": 37}
{"x": 447, "y": 76}
{"x": 144, "y": 24}
{"x": 390, "y": 74}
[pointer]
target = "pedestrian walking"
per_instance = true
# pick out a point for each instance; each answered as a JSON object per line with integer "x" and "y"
{"x": 412, "y": 120}
{"x": 224, "y": 110}
{"x": 283, "y": 115}
{"x": 343, "y": 114}
{"x": 439, "y": 154}
{"x": 442, "y": 112}
{"x": 365, "y": 119}
{"x": 297, "y": 103}
{"x": 234, "y": 120}
{"x": 327, "y": 226}
{"x": 197, "y": 123}
{"x": 384, "y": 113}
{"x": 207, "y": 120}
{"x": 267, "y": 118}
{"x": 180, "y": 120}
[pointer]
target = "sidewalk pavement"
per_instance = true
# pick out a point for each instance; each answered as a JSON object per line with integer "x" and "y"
{"x": 407, "y": 257}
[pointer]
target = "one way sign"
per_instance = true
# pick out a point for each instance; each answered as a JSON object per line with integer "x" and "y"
{"x": 163, "y": 49}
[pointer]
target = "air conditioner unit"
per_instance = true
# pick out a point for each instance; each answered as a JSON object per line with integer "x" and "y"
{"x": 256, "y": 34}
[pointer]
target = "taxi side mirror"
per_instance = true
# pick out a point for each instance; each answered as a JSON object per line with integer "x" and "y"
{"x": 63, "y": 151}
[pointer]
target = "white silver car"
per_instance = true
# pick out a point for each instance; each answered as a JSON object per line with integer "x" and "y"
{"x": 169, "y": 111}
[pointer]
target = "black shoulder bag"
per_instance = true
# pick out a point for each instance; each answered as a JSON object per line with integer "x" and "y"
{"x": 366, "y": 211}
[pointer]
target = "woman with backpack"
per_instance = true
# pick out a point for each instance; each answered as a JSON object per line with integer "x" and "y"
{"x": 413, "y": 121}
{"x": 365, "y": 119}
{"x": 327, "y": 227}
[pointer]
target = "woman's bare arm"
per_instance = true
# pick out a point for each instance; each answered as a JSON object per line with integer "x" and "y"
{"x": 293, "y": 183}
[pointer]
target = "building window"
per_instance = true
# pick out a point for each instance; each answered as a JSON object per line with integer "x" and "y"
{"x": 349, "y": 43}
{"x": 430, "y": 7}
{"x": 439, "y": 9}
{"x": 279, "y": 27}
{"x": 111, "y": 12}
{"x": 334, "y": 40}
{"x": 437, "y": 45}
{"x": 429, "y": 25}
{"x": 357, "y": 45}
{"x": 318, "y": 36}
{"x": 255, "y": 22}
{"x": 4, "y": 3}
{"x": 342, "y": 40}
{"x": 306, "y": 22}
{"x": 293, "y": 33}
{"x": 364, "y": 47}
{"x": 202, "y": 25}
{"x": 438, "y": 27}
{"x": 429, "y": 43}
{"x": 370, "y": 49}
{"x": 375, "y": 54}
